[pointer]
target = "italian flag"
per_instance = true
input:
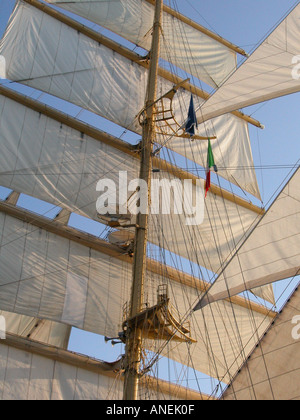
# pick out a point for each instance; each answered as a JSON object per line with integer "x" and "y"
{"x": 210, "y": 164}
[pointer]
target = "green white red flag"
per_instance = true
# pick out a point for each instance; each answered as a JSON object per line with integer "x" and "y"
{"x": 210, "y": 164}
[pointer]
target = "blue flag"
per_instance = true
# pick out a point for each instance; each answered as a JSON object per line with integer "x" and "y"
{"x": 192, "y": 123}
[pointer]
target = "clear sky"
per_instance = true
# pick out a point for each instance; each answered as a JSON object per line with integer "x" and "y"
{"x": 244, "y": 23}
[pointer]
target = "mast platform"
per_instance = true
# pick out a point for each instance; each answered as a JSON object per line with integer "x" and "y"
{"x": 159, "y": 323}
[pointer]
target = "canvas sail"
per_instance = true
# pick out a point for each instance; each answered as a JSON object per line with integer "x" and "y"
{"x": 55, "y": 163}
{"x": 67, "y": 282}
{"x": 271, "y": 252}
{"x": 40, "y": 284}
{"x": 133, "y": 20}
{"x": 103, "y": 81}
{"x": 32, "y": 371}
{"x": 272, "y": 372}
{"x": 270, "y": 72}
{"x": 2, "y": 68}
{"x": 44, "y": 331}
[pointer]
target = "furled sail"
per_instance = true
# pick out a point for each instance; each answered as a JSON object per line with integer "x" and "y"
{"x": 271, "y": 252}
{"x": 48, "y": 160}
{"x": 59, "y": 279}
{"x": 270, "y": 72}
{"x": 211, "y": 61}
{"x": 99, "y": 79}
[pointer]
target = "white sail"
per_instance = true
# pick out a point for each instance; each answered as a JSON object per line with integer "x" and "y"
{"x": 55, "y": 163}
{"x": 51, "y": 279}
{"x": 225, "y": 335}
{"x": 32, "y": 371}
{"x": 270, "y": 72}
{"x": 64, "y": 281}
{"x": 231, "y": 149}
{"x": 272, "y": 372}
{"x": 44, "y": 331}
{"x": 101, "y": 80}
{"x": 55, "y": 276}
{"x": 211, "y": 60}
{"x": 34, "y": 377}
{"x": 2, "y": 67}
{"x": 271, "y": 252}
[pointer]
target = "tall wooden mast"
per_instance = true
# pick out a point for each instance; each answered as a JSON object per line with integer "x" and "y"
{"x": 133, "y": 339}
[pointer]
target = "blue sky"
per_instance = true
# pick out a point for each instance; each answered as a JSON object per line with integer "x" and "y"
{"x": 244, "y": 23}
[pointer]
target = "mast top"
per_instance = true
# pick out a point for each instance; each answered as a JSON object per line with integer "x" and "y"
{"x": 202, "y": 29}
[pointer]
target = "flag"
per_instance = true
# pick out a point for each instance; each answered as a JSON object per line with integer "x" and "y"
{"x": 210, "y": 164}
{"x": 191, "y": 123}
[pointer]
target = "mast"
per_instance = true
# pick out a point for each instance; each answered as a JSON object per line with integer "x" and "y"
{"x": 133, "y": 339}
